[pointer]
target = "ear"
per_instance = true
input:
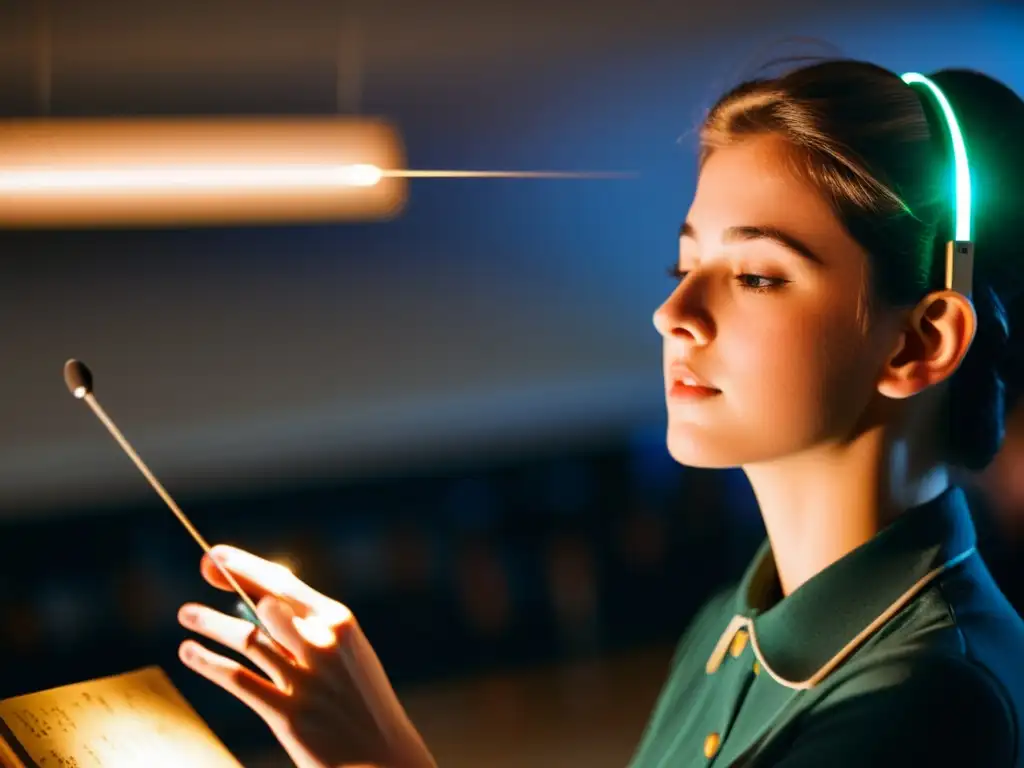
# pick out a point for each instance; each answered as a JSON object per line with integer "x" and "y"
{"x": 931, "y": 345}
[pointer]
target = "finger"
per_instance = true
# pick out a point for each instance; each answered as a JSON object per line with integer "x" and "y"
{"x": 307, "y": 638}
{"x": 300, "y": 634}
{"x": 264, "y": 577}
{"x": 260, "y": 696}
{"x": 254, "y": 574}
{"x": 240, "y": 636}
{"x": 279, "y": 616}
{"x": 211, "y": 570}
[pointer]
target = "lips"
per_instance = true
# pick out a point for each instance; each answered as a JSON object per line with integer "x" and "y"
{"x": 682, "y": 374}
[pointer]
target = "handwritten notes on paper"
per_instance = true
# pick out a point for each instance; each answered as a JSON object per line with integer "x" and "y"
{"x": 125, "y": 721}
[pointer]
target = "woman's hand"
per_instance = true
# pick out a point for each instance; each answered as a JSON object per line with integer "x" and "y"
{"x": 328, "y": 700}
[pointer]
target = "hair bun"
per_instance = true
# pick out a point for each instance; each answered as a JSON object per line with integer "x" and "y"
{"x": 1011, "y": 363}
{"x": 992, "y": 118}
{"x": 977, "y": 396}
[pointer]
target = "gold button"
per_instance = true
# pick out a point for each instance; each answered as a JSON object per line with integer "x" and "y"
{"x": 711, "y": 744}
{"x": 739, "y": 642}
{"x": 757, "y": 668}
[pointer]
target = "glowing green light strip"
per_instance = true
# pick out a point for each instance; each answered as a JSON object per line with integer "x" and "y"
{"x": 961, "y": 171}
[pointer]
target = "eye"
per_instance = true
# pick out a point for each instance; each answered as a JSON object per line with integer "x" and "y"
{"x": 676, "y": 273}
{"x": 760, "y": 283}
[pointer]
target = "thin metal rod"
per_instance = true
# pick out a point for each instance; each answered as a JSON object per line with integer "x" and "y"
{"x": 159, "y": 488}
{"x": 407, "y": 173}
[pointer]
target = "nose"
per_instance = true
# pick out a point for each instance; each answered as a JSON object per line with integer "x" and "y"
{"x": 679, "y": 317}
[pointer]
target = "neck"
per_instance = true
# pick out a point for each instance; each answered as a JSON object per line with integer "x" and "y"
{"x": 819, "y": 506}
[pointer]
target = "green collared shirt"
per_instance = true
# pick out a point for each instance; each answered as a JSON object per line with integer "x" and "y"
{"x": 904, "y": 653}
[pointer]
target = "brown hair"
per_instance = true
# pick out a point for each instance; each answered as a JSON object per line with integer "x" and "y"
{"x": 876, "y": 150}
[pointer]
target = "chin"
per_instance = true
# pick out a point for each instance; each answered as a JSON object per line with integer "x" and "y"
{"x": 701, "y": 449}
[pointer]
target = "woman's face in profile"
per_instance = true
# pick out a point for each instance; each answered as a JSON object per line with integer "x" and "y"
{"x": 768, "y": 316}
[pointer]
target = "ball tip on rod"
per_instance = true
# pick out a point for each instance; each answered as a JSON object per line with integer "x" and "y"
{"x": 78, "y": 377}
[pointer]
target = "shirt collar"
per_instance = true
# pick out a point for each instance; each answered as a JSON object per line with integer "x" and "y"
{"x": 799, "y": 639}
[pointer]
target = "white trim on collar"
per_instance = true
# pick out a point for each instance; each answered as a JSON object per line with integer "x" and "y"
{"x": 739, "y": 622}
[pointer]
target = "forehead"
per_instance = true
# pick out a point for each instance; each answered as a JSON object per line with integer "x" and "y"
{"x": 754, "y": 182}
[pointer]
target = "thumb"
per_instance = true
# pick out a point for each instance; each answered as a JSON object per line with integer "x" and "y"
{"x": 212, "y": 567}
{"x": 265, "y": 577}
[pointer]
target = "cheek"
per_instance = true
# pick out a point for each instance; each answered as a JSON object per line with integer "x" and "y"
{"x": 778, "y": 353}
{"x": 797, "y": 374}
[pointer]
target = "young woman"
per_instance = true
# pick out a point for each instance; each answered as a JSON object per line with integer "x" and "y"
{"x": 813, "y": 340}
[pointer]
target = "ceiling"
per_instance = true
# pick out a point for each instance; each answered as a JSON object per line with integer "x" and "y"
{"x": 195, "y": 55}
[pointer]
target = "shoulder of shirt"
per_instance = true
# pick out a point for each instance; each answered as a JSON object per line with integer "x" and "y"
{"x": 953, "y": 653}
{"x": 911, "y": 692}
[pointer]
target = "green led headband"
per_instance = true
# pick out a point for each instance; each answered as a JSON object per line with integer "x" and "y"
{"x": 959, "y": 250}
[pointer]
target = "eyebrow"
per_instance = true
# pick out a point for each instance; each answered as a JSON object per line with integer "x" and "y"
{"x": 747, "y": 233}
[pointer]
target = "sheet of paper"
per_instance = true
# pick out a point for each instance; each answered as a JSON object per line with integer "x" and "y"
{"x": 125, "y": 721}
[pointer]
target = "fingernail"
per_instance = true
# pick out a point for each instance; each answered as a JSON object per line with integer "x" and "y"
{"x": 187, "y": 615}
{"x": 187, "y": 651}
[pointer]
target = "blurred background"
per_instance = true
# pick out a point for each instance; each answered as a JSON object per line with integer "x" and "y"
{"x": 452, "y": 421}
